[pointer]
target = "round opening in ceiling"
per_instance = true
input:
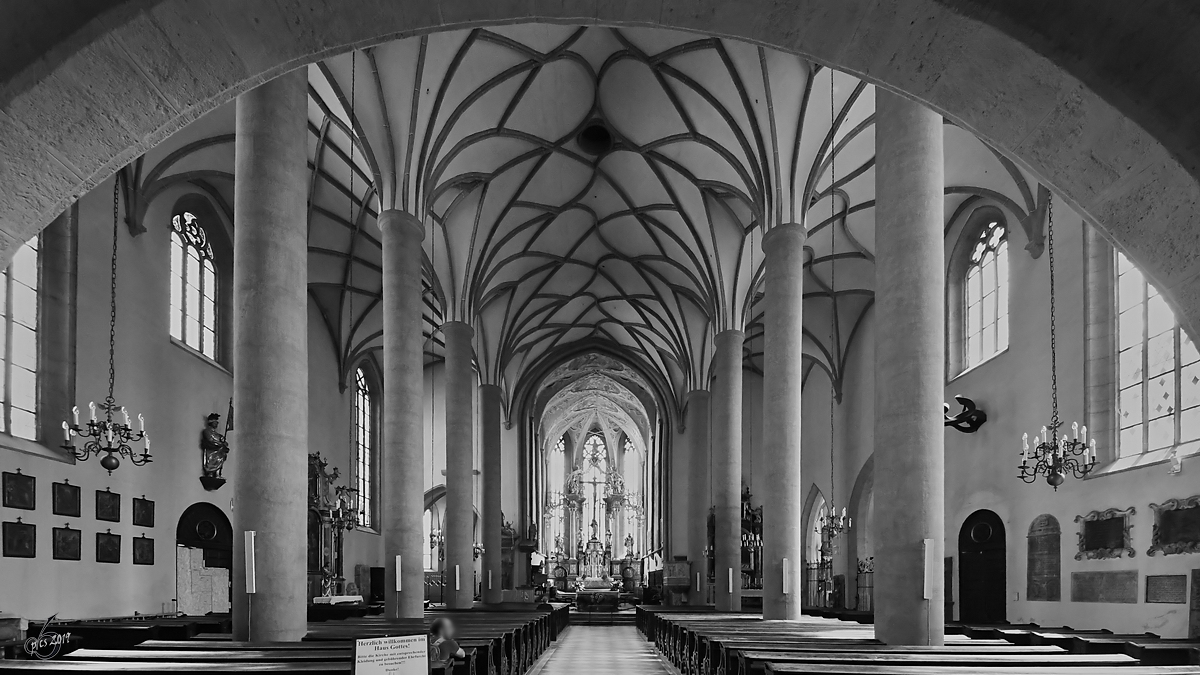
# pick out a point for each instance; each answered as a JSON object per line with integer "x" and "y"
{"x": 595, "y": 139}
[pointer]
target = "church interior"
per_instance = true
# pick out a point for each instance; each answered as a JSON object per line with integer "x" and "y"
{"x": 681, "y": 337}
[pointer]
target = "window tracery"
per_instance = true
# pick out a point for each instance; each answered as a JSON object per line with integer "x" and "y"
{"x": 193, "y": 286}
{"x": 1158, "y": 368}
{"x": 365, "y": 449}
{"x": 20, "y": 341}
{"x": 987, "y": 295}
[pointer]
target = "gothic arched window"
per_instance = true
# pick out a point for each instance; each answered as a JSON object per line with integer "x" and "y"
{"x": 365, "y": 448}
{"x": 986, "y": 324}
{"x": 193, "y": 286}
{"x": 20, "y": 311}
{"x": 1158, "y": 369}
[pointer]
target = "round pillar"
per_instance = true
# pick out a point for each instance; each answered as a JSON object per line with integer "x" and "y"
{"x": 403, "y": 456}
{"x": 783, "y": 375}
{"x": 270, "y": 359}
{"x": 909, "y": 372}
{"x": 460, "y": 468}
{"x": 726, "y": 406}
{"x": 698, "y": 433}
{"x": 490, "y": 402}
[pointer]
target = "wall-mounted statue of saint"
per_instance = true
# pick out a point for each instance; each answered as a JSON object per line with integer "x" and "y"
{"x": 214, "y": 450}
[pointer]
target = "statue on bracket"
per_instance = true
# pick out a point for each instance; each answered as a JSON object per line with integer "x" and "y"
{"x": 214, "y": 449}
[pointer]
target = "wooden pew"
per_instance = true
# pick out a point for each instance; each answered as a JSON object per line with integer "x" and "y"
{"x": 969, "y": 669}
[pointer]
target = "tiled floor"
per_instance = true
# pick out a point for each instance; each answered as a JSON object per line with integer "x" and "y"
{"x": 596, "y": 650}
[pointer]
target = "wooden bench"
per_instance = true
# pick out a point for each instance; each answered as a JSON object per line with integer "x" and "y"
{"x": 708, "y": 643}
{"x": 499, "y": 643}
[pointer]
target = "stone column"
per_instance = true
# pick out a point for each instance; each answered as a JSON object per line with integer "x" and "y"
{"x": 727, "y": 467}
{"x": 698, "y": 430}
{"x": 403, "y": 456}
{"x": 909, "y": 372}
{"x": 490, "y": 402}
{"x": 460, "y": 481}
{"x": 783, "y": 373}
{"x": 270, "y": 359}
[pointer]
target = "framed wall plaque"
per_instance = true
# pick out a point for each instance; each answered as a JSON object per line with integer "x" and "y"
{"x": 108, "y": 506}
{"x": 20, "y": 491}
{"x": 143, "y": 512}
{"x": 108, "y": 547}
{"x": 68, "y": 543}
{"x": 19, "y": 539}
{"x": 1168, "y": 589}
{"x": 1176, "y": 527}
{"x": 65, "y": 499}
{"x": 143, "y": 551}
{"x": 1105, "y": 534}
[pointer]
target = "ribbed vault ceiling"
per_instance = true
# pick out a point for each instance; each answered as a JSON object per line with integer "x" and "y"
{"x": 652, "y": 247}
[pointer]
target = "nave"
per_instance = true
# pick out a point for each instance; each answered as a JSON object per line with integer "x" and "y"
{"x": 601, "y": 650}
{"x": 593, "y": 311}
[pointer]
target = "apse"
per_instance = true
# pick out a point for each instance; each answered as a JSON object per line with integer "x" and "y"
{"x": 596, "y": 443}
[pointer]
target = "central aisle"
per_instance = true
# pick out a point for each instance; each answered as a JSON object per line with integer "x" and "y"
{"x": 601, "y": 650}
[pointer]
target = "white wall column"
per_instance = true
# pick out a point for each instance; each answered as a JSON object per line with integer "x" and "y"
{"x": 270, "y": 358}
{"x": 490, "y": 403}
{"x": 460, "y": 467}
{"x": 727, "y": 467}
{"x": 783, "y": 375}
{"x": 403, "y": 456}
{"x": 699, "y": 440}
{"x": 909, "y": 372}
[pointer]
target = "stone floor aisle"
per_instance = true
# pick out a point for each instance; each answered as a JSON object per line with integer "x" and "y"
{"x": 601, "y": 650}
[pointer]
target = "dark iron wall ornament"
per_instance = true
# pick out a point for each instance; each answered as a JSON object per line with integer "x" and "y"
{"x": 1105, "y": 534}
{"x": 968, "y": 420}
{"x": 1176, "y": 527}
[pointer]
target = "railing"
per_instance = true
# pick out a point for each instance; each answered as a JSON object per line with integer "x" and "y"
{"x": 818, "y": 584}
{"x": 866, "y": 585}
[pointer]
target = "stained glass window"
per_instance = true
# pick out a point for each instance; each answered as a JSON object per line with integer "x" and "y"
{"x": 364, "y": 448}
{"x": 193, "y": 286}
{"x": 1158, "y": 369}
{"x": 987, "y": 296}
{"x": 20, "y": 341}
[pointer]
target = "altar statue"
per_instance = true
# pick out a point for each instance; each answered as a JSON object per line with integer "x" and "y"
{"x": 214, "y": 448}
{"x": 574, "y": 482}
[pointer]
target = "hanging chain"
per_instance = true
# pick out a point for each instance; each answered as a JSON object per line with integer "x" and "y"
{"x": 832, "y": 285}
{"x": 112, "y": 301}
{"x": 1054, "y": 420}
{"x": 353, "y": 229}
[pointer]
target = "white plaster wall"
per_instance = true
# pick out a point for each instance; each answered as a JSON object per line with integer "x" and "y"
{"x": 1014, "y": 389}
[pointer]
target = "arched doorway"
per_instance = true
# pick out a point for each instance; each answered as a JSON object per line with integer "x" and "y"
{"x": 981, "y": 569}
{"x": 204, "y": 560}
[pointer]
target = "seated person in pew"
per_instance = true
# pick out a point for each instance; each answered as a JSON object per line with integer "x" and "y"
{"x": 442, "y": 647}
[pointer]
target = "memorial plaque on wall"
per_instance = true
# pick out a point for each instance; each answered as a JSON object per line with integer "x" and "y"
{"x": 1176, "y": 527}
{"x": 1105, "y": 534}
{"x": 1166, "y": 588}
{"x": 1043, "y": 581}
{"x": 1117, "y": 587}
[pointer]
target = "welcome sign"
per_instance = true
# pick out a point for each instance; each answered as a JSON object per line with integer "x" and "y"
{"x": 401, "y": 655}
